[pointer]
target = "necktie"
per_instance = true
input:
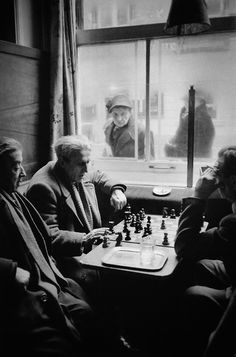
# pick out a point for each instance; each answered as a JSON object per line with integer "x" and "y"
{"x": 82, "y": 205}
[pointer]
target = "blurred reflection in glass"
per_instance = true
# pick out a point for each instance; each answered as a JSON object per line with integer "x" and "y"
{"x": 204, "y": 131}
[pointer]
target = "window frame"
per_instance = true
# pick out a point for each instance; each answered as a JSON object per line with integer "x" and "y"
{"x": 147, "y": 33}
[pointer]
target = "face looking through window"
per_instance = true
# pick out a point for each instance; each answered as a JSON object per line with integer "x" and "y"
{"x": 120, "y": 116}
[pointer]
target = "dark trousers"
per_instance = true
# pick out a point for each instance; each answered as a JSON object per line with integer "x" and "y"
{"x": 198, "y": 309}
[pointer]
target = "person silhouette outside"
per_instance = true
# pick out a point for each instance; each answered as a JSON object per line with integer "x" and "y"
{"x": 204, "y": 132}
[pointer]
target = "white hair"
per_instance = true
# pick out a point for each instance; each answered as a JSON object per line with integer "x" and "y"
{"x": 66, "y": 146}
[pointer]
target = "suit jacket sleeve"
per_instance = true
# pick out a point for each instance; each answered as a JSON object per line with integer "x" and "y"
{"x": 193, "y": 244}
{"x": 45, "y": 199}
{"x": 104, "y": 183}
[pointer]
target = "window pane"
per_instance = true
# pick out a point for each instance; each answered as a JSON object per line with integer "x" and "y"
{"x": 107, "y": 71}
{"x": 116, "y": 13}
{"x": 208, "y": 63}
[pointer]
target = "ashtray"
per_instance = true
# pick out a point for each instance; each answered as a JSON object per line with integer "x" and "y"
{"x": 161, "y": 190}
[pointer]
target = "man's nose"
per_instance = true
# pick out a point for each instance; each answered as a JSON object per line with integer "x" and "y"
{"x": 85, "y": 167}
{"x": 22, "y": 173}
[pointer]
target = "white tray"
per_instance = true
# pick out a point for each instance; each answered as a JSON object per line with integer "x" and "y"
{"x": 128, "y": 257}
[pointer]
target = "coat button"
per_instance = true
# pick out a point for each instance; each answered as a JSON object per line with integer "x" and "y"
{"x": 44, "y": 297}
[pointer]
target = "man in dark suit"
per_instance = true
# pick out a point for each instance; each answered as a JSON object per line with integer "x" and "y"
{"x": 65, "y": 193}
{"x": 41, "y": 312}
{"x": 213, "y": 251}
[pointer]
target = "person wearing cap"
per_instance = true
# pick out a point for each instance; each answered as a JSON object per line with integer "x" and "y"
{"x": 204, "y": 132}
{"x": 120, "y": 129}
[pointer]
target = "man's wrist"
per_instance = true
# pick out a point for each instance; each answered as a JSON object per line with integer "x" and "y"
{"x": 118, "y": 187}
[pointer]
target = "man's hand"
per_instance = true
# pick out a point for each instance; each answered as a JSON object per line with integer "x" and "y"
{"x": 206, "y": 184}
{"x": 22, "y": 278}
{"x": 90, "y": 238}
{"x": 118, "y": 199}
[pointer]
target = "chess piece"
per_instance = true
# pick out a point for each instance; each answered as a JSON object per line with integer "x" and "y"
{"x": 149, "y": 228}
{"x": 137, "y": 227}
{"x": 128, "y": 208}
{"x": 165, "y": 239}
{"x": 128, "y": 213}
{"x": 125, "y": 226}
{"x": 119, "y": 239}
{"x": 165, "y": 212}
{"x": 172, "y": 214}
{"x": 149, "y": 219}
{"x": 142, "y": 214}
{"x": 132, "y": 223}
{"x": 111, "y": 225}
{"x": 105, "y": 243}
{"x": 163, "y": 226}
{"x": 145, "y": 232}
{"x": 127, "y": 237}
{"x": 140, "y": 225}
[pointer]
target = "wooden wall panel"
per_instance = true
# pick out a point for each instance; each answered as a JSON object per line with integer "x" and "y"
{"x": 24, "y": 98}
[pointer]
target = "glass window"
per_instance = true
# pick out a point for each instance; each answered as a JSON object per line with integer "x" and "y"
{"x": 205, "y": 62}
{"x": 115, "y": 13}
{"x": 119, "y": 70}
{"x": 208, "y": 63}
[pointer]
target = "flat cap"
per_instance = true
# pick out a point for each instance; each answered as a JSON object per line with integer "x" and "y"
{"x": 120, "y": 101}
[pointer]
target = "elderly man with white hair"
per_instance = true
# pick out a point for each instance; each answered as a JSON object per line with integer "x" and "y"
{"x": 65, "y": 193}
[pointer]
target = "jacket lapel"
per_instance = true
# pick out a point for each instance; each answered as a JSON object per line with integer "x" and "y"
{"x": 31, "y": 242}
{"x": 66, "y": 195}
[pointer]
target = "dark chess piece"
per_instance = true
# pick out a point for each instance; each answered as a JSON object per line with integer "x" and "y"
{"x": 140, "y": 225}
{"x": 119, "y": 239}
{"x": 142, "y": 214}
{"x": 145, "y": 232}
{"x": 165, "y": 212}
{"x": 128, "y": 208}
{"x": 111, "y": 225}
{"x": 127, "y": 237}
{"x": 172, "y": 214}
{"x": 105, "y": 243}
{"x": 132, "y": 223}
{"x": 125, "y": 226}
{"x": 137, "y": 227}
{"x": 149, "y": 219}
{"x": 149, "y": 228}
{"x": 128, "y": 213}
{"x": 163, "y": 225}
{"x": 165, "y": 239}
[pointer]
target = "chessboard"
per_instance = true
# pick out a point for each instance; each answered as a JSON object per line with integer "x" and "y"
{"x": 137, "y": 225}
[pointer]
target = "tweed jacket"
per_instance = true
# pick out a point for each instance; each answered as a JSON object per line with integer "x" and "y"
{"x": 51, "y": 194}
{"x": 28, "y": 249}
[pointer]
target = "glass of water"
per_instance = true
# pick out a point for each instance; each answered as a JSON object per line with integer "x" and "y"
{"x": 147, "y": 250}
